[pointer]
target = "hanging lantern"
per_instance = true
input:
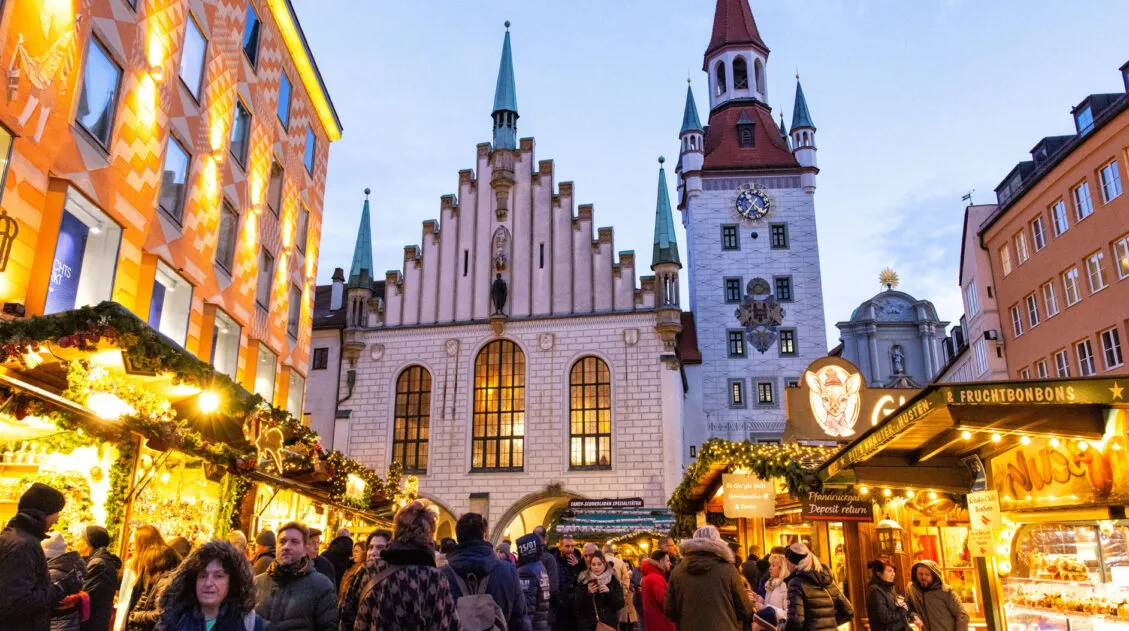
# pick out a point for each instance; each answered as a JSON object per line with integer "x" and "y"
{"x": 889, "y": 536}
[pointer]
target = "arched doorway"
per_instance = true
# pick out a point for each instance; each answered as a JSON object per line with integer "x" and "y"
{"x": 445, "y": 525}
{"x": 535, "y": 509}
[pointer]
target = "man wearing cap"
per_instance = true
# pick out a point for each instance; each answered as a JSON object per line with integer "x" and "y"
{"x": 26, "y": 591}
{"x": 264, "y": 552}
{"x": 101, "y": 580}
{"x": 317, "y": 561}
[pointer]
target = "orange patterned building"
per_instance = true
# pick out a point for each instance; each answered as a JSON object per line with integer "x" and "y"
{"x": 169, "y": 155}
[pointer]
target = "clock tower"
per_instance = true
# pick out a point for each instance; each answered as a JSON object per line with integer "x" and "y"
{"x": 746, "y": 191}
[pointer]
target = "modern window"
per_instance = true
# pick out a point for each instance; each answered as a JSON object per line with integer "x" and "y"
{"x": 778, "y": 233}
{"x": 1058, "y": 218}
{"x": 1111, "y": 348}
{"x": 311, "y": 149}
{"x": 412, "y": 423}
{"x": 971, "y": 299}
{"x": 1121, "y": 253}
{"x": 101, "y": 82}
{"x": 736, "y": 344}
{"x": 732, "y": 290}
{"x": 294, "y": 312}
{"x": 266, "y": 279}
{"x": 1111, "y": 182}
{"x": 765, "y": 394}
{"x": 1085, "y": 353}
{"x": 252, "y": 29}
{"x": 226, "y": 237}
{"x": 302, "y": 232}
{"x": 499, "y": 407}
{"x": 266, "y": 369}
{"x": 1005, "y": 260}
{"x": 274, "y": 188}
{"x": 1016, "y": 321}
{"x": 740, "y": 74}
{"x": 1032, "y": 310}
{"x": 193, "y": 56}
{"x": 320, "y": 359}
{"x": 729, "y": 238}
{"x": 590, "y": 414}
{"x": 295, "y": 393}
{"x": 1084, "y": 119}
{"x": 226, "y": 335}
{"x": 1050, "y": 301}
{"x": 173, "y": 179}
{"x": 86, "y": 256}
{"x": 787, "y": 341}
{"x": 1041, "y": 369}
{"x": 284, "y": 91}
{"x": 980, "y": 349}
{"x": 1062, "y": 364}
{"x": 240, "y": 133}
{"x": 783, "y": 288}
{"x": 1025, "y": 373}
{"x": 1038, "y": 234}
{"x": 1070, "y": 286}
{"x": 170, "y": 304}
{"x": 719, "y": 79}
{"x": 736, "y": 393}
{"x": 1094, "y": 271}
{"x": 1083, "y": 205}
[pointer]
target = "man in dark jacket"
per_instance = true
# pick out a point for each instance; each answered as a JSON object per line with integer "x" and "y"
{"x": 290, "y": 594}
{"x": 550, "y": 563}
{"x": 569, "y": 567}
{"x": 319, "y": 562}
{"x": 934, "y": 604}
{"x": 534, "y": 581}
{"x": 264, "y": 552}
{"x": 101, "y": 580}
{"x": 339, "y": 554}
{"x": 473, "y": 556}
{"x": 750, "y": 570}
{"x": 26, "y": 591}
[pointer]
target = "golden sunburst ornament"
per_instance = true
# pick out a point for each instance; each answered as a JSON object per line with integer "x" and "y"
{"x": 888, "y": 278}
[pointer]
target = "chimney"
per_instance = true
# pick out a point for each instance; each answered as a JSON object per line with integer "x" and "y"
{"x": 337, "y": 296}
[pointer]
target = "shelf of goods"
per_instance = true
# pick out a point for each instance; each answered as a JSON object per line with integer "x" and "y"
{"x": 175, "y": 496}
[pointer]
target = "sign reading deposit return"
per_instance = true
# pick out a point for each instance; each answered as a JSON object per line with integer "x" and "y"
{"x": 747, "y": 496}
{"x": 836, "y": 507}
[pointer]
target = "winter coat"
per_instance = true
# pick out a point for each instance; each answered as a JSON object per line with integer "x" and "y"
{"x": 776, "y": 596}
{"x": 937, "y": 605}
{"x": 324, "y": 567}
{"x": 101, "y": 582}
{"x": 705, "y": 591}
{"x": 549, "y": 560}
{"x": 355, "y": 592}
{"x": 814, "y": 602}
{"x": 26, "y": 591}
{"x": 296, "y": 597}
{"x": 340, "y": 556}
{"x": 180, "y": 611}
{"x": 566, "y": 573}
{"x": 195, "y": 622}
{"x": 413, "y": 595}
{"x": 607, "y": 605}
{"x": 653, "y": 590}
{"x": 144, "y": 613}
{"x": 882, "y": 608}
{"x": 476, "y": 558}
{"x": 66, "y": 618}
{"x": 534, "y": 582}
{"x": 751, "y": 571}
{"x": 261, "y": 562}
{"x": 623, "y": 575}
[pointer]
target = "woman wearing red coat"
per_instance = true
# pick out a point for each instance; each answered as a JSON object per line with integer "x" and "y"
{"x": 653, "y": 587}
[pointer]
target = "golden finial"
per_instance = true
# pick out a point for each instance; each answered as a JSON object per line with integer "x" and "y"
{"x": 888, "y": 278}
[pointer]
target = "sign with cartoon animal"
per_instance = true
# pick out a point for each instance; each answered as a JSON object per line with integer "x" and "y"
{"x": 834, "y": 395}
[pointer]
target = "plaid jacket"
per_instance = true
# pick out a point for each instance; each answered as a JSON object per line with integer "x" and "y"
{"x": 415, "y": 596}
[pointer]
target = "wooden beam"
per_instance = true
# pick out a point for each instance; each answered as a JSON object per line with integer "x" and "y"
{"x": 948, "y": 479}
{"x": 1083, "y": 421}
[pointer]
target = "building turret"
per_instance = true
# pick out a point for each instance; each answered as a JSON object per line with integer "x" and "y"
{"x": 691, "y": 155}
{"x": 803, "y": 140}
{"x": 360, "y": 287}
{"x": 736, "y": 56}
{"x": 665, "y": 263}
{"x": 784, "y": 132}
{"x": 505, "y": 100}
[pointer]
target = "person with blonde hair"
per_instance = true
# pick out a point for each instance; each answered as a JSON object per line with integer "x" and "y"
{"x": 706, "y": 592}
{"x": 815, "y": 602}
{"x": 239, "y": 540}
{"x": 776, "y": 588}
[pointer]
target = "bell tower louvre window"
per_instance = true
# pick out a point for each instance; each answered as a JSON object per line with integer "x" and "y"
{"x": 740, "y": 74}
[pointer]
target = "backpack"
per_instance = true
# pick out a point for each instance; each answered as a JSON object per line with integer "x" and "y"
{"x": 477, "y": 609}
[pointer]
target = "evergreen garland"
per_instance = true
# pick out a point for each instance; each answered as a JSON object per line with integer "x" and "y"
{"x": 120, "y": 473}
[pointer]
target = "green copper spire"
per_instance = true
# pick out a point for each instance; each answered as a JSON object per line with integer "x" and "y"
{"x": 505, "y": 100}
{"x": 690, "y": 120}
{"x": 360, "y": 274}
{"x": 784, "y": 132}
{"x": 801, "y": 117}
{"x": 666, "y": 245}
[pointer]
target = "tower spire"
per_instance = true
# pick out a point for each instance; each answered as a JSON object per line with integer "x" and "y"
{"x": 505, "y": 100}
{"x": 784, "y": 131}
{"x": 666, "y": 244}
{"x": 801, "y": 117}
{"x": 360, "y": 273}
{"x": 733, "y": 25}
{"x": 690, "y": 121}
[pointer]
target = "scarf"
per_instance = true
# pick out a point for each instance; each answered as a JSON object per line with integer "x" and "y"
{"x": 290, "y": 571}
{"x": 603, "y": 578}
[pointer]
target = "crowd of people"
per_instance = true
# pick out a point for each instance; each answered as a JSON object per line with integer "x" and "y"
{"x": 401, "y": 580}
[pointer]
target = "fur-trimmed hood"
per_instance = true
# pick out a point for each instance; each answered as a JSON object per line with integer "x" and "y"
{"x": 702, "y": 555}
{"x": 179, "y": 597}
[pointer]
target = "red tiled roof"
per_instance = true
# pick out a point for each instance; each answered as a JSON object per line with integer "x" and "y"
{"x": 733, "y": 24}
{"x": 723, "y": 151}
{"x": 688, "y": 340}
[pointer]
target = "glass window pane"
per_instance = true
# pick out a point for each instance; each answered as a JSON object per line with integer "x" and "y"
{"x": 274, "y": 188}
{"x": 499, "y": 409}
{"x": 251, "y": 29}
{"x": 192, "y": 57}
{"x": 294, "y": 316}
{"x": 284, "y": 99}
{"x": 173, "y": 179}
{"x": 311, "y": 149}
{"x": 266, "y": 279}
{"x": 303, "y": 231}
{"x": 225, "y": 237}
{"x": 100, "y": 82}
{"x": 240, "y": 133}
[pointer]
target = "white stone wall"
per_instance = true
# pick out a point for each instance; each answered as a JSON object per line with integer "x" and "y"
{"x": 321, "y": 388}
{"x": 703, "y": 219}
{"x": 645, "y": 433}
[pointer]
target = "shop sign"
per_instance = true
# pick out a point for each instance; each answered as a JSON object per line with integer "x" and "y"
{"x": 66, "y": 267}
{"x": 1091, "y": 391}
{"x": 1052, "y": 472}
{"x": 981, "y": 543}
{"x": 882, "y": 434}
{"x": 607, "y": 503}
{"x": 984, "y": 510}
{"x": 836, "y": 507}
{"x": 747, "y": 496}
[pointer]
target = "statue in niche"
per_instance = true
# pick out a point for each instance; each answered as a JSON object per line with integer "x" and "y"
{"x": 898, "y": 357}
{"x": 501, "y": 247}
{"x": 498, "y": 293}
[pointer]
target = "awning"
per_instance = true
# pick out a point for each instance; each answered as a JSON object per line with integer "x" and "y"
{"x": 610, "y": 524}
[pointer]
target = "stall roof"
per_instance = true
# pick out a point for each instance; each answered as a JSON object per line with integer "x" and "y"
{"x": 321, "y": 495}
{"x": 922, "y": 442}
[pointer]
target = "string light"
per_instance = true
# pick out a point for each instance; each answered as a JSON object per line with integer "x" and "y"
{"x": 1054, "y": 442}
{"x": 932, "y": 495}
{"x": 864, "y": 490}
{"x": 996, "y": 438}
{"x": 209, "y": 402}
{"x": 1083, "y": 445}
{"x": 966, "y": 434}
{"x": 887, "y": 492}
{"x": 910, "y": 493}
{"x": 1026, "y": 440}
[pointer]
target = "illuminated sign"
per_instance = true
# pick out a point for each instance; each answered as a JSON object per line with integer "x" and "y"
{"x": 747, "y": 496}
{"x": 834, "y": 395}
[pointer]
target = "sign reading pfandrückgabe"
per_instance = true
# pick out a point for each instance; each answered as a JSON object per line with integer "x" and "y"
{"x": 836, "y": 507}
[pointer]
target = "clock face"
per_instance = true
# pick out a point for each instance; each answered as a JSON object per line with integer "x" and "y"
{"x": 752, "y": 204}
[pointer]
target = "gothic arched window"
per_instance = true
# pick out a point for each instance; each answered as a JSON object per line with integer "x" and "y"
{"x": 499, "y": 407}
{"x": 412, "y": 424}
{"x": 758, "y": 75}
{"x": 740, "y": 74}
{"x": 590, "y": 414}
{"x": 719, "y": 75}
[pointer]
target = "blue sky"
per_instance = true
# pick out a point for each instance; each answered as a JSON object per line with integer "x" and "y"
{"x": 916, "y": 103}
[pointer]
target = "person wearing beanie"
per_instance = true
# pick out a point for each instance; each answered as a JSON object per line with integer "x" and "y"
{"x": 67, "y": 613}
{"x": 886, "y": 610}
{"x": 101, "y": 580}
{"x": 264, "y": 552}
{"x": 534, "y": 581}
{"x": 27, "y": 592}
{"x": 706, "y": 591}
{"x": 815, "y": 602}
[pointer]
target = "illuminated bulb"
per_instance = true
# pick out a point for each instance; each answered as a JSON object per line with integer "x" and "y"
{"x": 108, "y": 406}
{"x": 966, "y": 434}
{"x": 1001, "y": 550}
{"x": 887, "y": 492}
{"x": 1005, "y": 567}
{"x": 1116, "y": 446}
{"x": 209, "y": 402}
{"x": 996, "y": 438}
{"x": 864, "y": 490}
{"x": 1054, "y": 442}
{"x": 932, "y": 495}
{"x": 1026, "y": 440}
{"x": 909, "y": 494}
{"x": 165, "y": 477}
{"x": 1083, "y": 445}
